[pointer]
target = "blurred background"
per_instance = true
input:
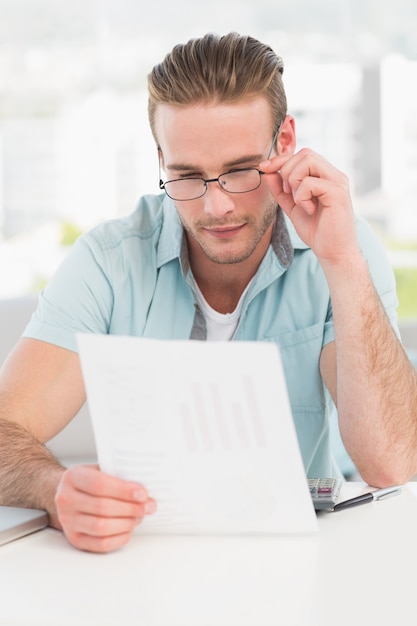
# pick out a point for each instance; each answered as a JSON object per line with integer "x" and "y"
{"x": 75, "y": 147}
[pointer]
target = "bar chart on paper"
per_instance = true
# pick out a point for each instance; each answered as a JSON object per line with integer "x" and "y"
{"x": 211, "y": 423}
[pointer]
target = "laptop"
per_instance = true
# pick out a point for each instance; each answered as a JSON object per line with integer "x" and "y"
{"x": 17, "y": 522}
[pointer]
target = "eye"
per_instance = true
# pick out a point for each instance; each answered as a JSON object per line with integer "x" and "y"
{"x": 238, "y": 170}
{"x": 190, "y": 175}
{"x": 241, "y": 170}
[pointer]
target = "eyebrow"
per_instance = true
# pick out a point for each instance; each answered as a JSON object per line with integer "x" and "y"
{"x": 240, "y": 161}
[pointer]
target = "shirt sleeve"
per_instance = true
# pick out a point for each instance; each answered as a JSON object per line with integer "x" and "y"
{"x": 78, "y": 298}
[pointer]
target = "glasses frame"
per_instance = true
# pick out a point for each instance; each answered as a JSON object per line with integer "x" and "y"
{"x": 206, "y": 181}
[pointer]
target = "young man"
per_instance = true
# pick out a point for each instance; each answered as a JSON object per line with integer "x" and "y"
{"x": 251, "y": 241}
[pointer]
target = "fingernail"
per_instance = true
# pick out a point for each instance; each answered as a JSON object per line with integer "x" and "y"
{"x": 150, "y": 507}
{"x": 139, "y": 495}
{"x": 265, "y": 163}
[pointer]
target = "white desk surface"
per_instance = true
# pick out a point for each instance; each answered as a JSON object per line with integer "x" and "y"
{"x": 358, "y": 570}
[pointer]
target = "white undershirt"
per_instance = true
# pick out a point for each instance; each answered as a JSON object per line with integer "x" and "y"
{"x": 220, "y": 326}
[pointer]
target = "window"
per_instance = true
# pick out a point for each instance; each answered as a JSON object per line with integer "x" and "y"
{"x": 75, "y": 147}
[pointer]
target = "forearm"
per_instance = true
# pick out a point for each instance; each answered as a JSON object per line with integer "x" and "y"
{"x": 376, "y": 384}
{"x": 370, "y": 377}
{"x": 29, "y": 473}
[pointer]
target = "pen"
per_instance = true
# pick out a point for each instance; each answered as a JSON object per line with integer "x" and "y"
{"x": 378, "y": 494}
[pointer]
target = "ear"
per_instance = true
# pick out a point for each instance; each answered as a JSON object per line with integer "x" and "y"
{"x": 286, "y": 141}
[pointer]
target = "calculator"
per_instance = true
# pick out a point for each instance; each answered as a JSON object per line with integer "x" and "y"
{"x": 324, "y": 492}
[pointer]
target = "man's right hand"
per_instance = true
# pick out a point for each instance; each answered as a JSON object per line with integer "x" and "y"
{"x": 98, "y": 512}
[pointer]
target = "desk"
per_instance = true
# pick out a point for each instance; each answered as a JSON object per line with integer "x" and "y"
{"x": 358, "y": 570}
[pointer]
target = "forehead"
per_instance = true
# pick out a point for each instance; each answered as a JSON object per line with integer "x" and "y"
{"x": 190, "y": 131}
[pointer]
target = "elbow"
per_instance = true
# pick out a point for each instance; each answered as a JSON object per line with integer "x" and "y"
{"x": 387, "y": 475}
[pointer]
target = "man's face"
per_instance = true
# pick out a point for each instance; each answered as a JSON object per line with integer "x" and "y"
{"x": 208, "y": 140}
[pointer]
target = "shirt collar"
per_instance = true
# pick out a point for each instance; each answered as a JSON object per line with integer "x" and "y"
{"x": 172, "y": 233}
{"x": 296, "y": 241}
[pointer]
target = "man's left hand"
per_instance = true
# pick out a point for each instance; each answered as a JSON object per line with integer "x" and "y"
{"x": 316, "y": 198}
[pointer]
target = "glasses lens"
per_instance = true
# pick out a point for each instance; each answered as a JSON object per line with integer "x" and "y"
{"x": 240, "y": 181}
{"x": 185, "y": 189}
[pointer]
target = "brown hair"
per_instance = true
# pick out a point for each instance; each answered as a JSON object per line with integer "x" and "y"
{"x": 217, "y": 68}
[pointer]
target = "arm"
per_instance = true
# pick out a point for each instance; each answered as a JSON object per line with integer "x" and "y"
{"x": 366, "y": 370}
{"x": 375, "y": 386}
{"x": 41, "y": 389}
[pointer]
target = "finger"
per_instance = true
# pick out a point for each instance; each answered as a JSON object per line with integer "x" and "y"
{"x": 274, "y": 182}
{"x": 100, "y": 534}
{"x": 99, "y": 545}
{"x": 309, "y": 193}
{"x": 284, "y": 174}
{"x": 293, "y": 169}
{"x": 97, "y": 534}
{"x": 73, "y": 502}
{"x": 308, "y": 164}
{"x": 95, "y": 526}
{"x": 89, "y": 479}
{"x": 313, "y": 192}
{"x": 284, "y": 200}
{"x": 274, "y": 164}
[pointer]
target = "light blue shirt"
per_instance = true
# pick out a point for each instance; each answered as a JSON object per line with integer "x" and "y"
{"x": 131, "y": 276}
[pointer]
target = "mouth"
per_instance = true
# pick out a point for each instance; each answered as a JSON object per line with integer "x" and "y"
{"x": 224, "y": 232}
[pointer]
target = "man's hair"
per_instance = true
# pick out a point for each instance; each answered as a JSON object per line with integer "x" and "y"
{"x": 218, "y": 69}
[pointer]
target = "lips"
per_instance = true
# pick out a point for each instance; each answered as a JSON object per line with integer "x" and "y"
{"x": 225, "y": 231}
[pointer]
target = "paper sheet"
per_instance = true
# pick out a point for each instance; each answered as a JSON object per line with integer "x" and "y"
{"x": 206, "y": 427}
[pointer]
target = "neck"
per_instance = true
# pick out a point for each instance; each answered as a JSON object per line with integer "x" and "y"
{"x": 222, "y": 284}
{"x": 224, "y": 294}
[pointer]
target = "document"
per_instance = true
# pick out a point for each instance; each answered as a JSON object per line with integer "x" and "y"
{"x": 206, "y": 427}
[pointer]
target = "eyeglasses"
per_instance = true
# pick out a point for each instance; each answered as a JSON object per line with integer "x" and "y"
{"x": 236, "y": 181}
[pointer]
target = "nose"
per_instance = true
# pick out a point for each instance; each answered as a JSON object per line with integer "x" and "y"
{"x": 217, "y": 202}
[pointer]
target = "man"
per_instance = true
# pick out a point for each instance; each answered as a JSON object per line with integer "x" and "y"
{"x": 251, "y": 241}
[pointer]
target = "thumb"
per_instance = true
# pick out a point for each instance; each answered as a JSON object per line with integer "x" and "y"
{"x": 275, "y": 184}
